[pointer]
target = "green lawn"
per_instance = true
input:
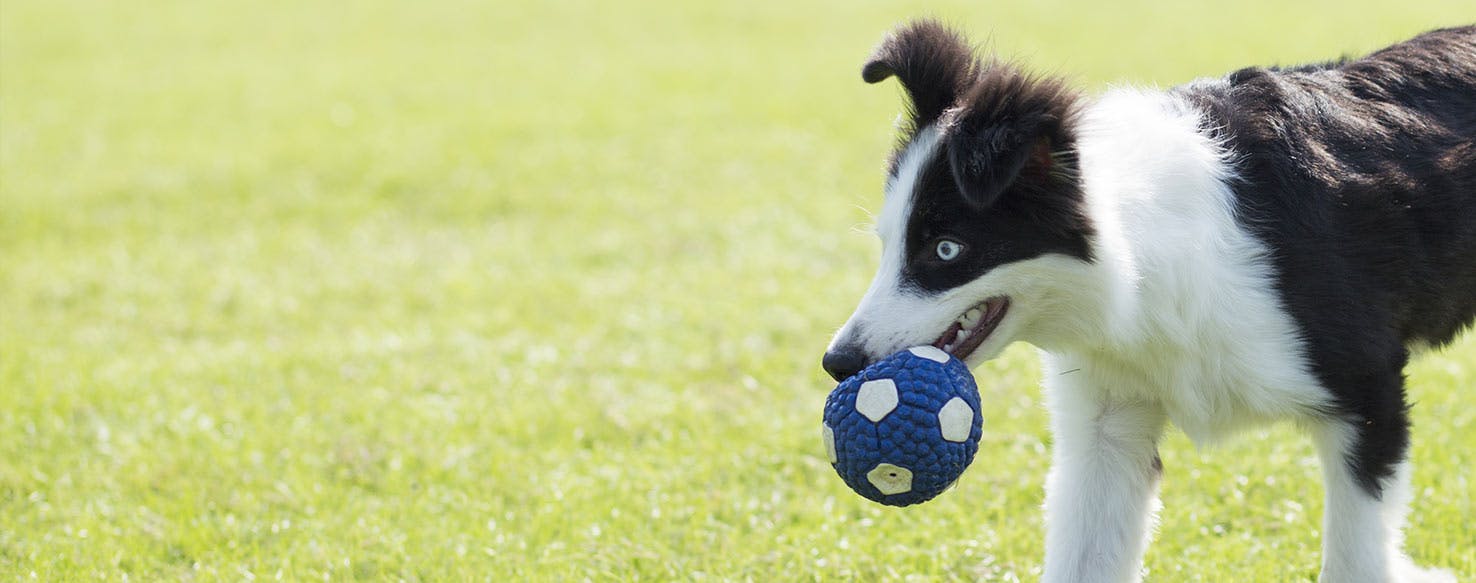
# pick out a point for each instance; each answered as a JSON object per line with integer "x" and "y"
{"x": 538, "y": 291}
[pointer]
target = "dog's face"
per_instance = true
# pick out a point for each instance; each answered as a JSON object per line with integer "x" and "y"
{"x": 983, "y": 217}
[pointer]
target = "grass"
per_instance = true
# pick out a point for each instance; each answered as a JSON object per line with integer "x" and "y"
{"x": 538, "y": 290}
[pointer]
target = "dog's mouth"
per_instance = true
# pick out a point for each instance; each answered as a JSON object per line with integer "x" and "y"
{"x": 973, "y": 327}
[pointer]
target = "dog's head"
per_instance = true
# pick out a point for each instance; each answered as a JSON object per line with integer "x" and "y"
{"x": 984, "y": 216}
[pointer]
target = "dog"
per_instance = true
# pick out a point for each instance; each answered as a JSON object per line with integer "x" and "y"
{"x": 1268, "y": 245}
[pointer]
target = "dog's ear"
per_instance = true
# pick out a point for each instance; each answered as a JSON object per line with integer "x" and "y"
{"x": 986, "y": 162}
{"x": 934, "y": 63}
{"x": 1012, "y": 130}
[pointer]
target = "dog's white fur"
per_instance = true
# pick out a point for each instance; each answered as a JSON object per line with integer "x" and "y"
{"x": 1176, "y": 320}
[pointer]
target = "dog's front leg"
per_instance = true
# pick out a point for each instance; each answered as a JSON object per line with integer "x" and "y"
{"x": 1101, "y": 493}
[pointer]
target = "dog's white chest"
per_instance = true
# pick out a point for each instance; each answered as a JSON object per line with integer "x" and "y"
{"x": 1194, "y": 321}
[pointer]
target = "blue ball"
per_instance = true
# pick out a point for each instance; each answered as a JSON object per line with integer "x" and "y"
{"x": 902, "y": 431}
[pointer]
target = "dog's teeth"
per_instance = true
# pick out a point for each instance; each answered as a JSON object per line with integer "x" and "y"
{"x": 947, "y": 348}
{"x": 962, "y": 335}
{"x": 971, "y": 318}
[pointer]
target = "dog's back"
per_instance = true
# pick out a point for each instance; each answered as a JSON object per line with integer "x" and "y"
{"x": 1362, "y": 176}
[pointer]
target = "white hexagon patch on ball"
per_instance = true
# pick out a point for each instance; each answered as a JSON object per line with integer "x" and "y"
{"x": 828, "y": 435}
{"x": 890, "y": 479}
{"x": 956, "y": 418}
{"x": 929, "y": 352}
{"x": 876, "y": 399}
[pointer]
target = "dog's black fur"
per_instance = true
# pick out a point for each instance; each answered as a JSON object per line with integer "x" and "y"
{"x": 1010, "y": 189}
{"x": 1360, "y": 176}
{"x": 1350, "y": 240}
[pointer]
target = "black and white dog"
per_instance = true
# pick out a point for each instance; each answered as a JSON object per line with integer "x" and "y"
{"x": 1263, "y": 246}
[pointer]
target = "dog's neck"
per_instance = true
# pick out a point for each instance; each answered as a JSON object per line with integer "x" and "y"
{"x": 1155, "y": 193}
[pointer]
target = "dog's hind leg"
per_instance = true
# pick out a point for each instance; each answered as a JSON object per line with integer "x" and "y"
{"x": 1363, "y": 518}
{"x": 1101, "y": 493}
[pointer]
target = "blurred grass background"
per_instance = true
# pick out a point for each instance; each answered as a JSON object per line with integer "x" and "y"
{"x": 538, "y": 291}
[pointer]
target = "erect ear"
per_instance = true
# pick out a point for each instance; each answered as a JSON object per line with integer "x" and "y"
{"x": 934, "y": 64}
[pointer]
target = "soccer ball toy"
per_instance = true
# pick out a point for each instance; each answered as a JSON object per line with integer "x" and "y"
{"x": 901, "y": 431}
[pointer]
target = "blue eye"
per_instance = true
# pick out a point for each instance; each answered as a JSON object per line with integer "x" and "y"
{"x": 948, "y": 249}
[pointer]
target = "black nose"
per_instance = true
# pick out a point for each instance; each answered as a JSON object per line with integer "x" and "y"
{"x": 843, "y": 362}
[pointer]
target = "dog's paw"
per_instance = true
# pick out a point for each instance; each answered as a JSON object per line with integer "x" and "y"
{"x": 1405, "y": 571}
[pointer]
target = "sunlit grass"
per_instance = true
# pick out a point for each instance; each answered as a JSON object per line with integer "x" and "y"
{"x": 537, "y": 291}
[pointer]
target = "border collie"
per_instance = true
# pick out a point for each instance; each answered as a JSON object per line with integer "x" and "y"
{"x": 1268, "y": 245}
